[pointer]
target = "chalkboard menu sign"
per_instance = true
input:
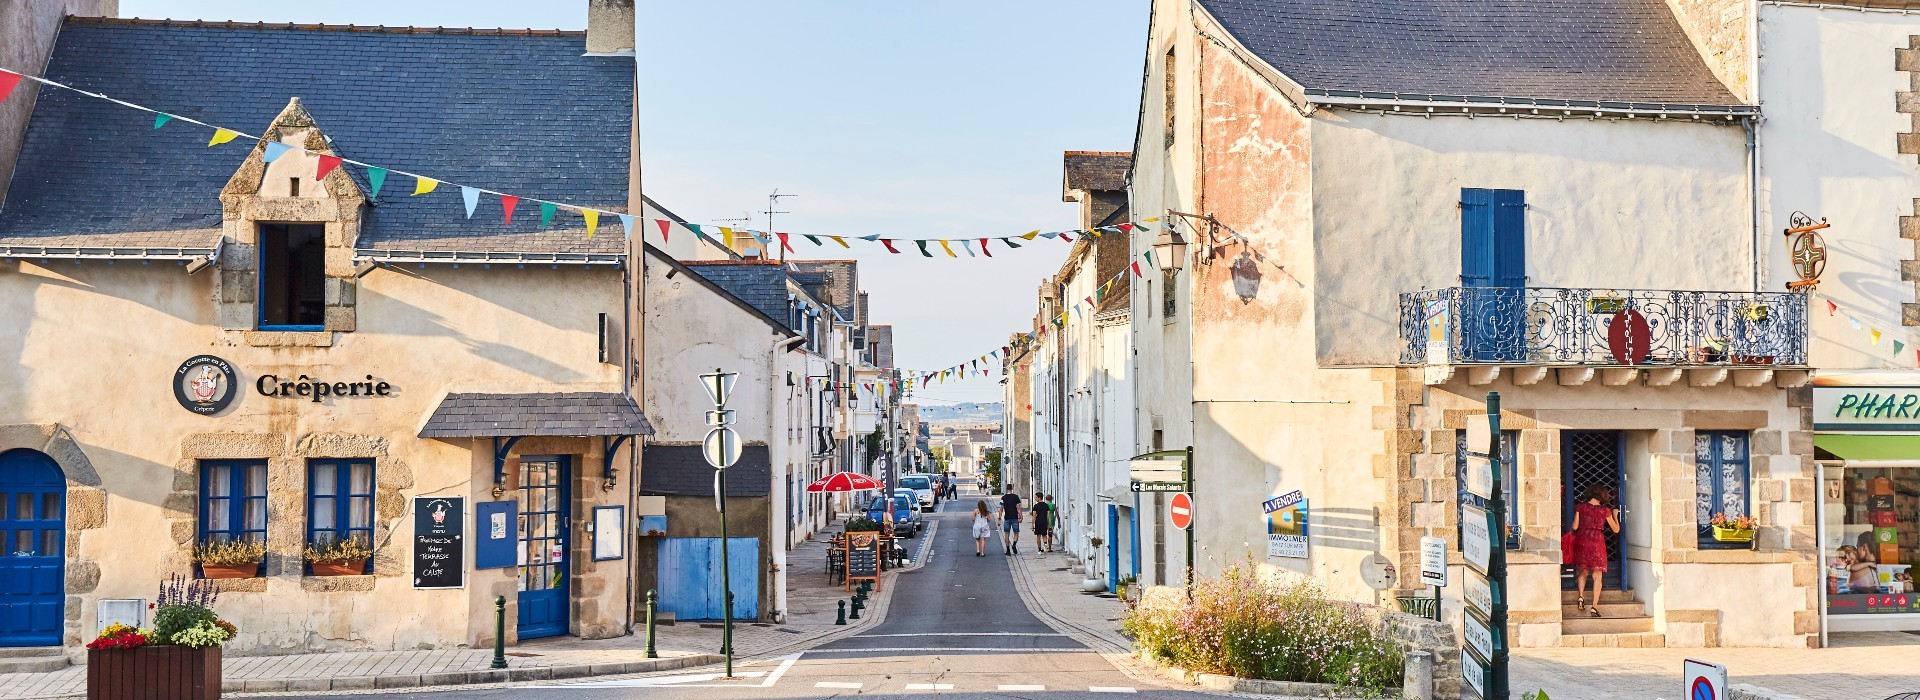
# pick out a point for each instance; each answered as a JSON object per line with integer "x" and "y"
{"x": 438, "y": 555}
{"x": 863, "y": 557}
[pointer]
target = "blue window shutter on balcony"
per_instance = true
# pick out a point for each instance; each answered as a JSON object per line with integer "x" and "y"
{"x": 1476, "y": 237}
{"x": 1509, "y": 238}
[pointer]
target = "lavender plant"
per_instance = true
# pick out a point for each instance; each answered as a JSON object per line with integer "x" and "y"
{"x": 183, "y": 613}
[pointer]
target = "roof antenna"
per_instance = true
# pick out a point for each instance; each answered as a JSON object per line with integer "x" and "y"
{"x": 773, "y": 206}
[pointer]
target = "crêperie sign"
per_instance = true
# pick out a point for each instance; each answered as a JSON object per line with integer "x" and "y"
{"x": 315, "y": 390}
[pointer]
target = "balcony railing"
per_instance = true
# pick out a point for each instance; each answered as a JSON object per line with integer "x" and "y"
{"x": 1551, "y": 326}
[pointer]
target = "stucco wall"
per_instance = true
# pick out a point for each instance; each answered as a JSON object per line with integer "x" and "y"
{"x": 27, "y": 31}
{"x": 1610, "y": 204}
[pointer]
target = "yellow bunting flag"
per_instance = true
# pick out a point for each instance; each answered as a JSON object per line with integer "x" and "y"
{"x": 593, "y": 220}
{"x": 841, "y": 241}
{"x": 221, "y": 136}
{"x": 727, "y": 235}
{"x": 423, "y": 185}
{"x": 948, "y": 248}
{"x": 1875, "y": 332}
{"x": 1151, "y": 220}
{"x": 1030, "y": 234}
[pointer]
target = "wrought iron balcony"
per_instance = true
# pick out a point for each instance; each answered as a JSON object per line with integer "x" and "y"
{"x": 1618, "y": 327}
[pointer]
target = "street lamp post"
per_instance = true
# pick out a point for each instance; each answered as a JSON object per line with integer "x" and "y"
{"x": 722, "y": 450}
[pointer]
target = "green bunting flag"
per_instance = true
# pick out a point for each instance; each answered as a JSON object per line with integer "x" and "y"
{"x": 376, "y": 177}
{"x": 812, "y": 239}
{"x": 923, "y": 248}
{"x": 161, "y": 119}
{"x": 546, "y": 213}
{"x": 1009, "y": 242}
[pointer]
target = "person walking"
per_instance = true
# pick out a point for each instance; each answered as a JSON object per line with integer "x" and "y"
{"x": 1010, "y": 513}
{"x": 982, "y": 527}
{"x": 1042, "y": 534}
{"x": 1591, "y": 517}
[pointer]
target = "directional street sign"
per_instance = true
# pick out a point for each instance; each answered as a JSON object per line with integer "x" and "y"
{"x": 1477, "y": 633}
{"x": 1158, "y": 486}
{"x": 1483, "y": 657}
{"x": 1475, "y": 672}
{"x": 1180, "y": 511}
{"x": 1156, "y": 470}
{"x": 721, "y": 448}
{"x": 1479, "y": 592}
{"x": 1476, "y": 541}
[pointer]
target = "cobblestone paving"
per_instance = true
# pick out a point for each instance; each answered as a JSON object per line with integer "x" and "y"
{"x": 1859, "y": 666}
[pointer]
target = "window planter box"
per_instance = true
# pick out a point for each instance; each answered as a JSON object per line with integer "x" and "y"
{"x": 229, "y": 570}
{"x": 173, "y": 672}
{"x": 1730, "y": 535}
{"x": 336, "y": 568}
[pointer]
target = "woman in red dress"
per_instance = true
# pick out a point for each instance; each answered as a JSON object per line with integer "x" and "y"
{"x": 1593, "y": 513}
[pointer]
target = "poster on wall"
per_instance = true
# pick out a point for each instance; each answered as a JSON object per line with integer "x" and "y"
{"x": 438, "y": 553}
{"x": 609, "y": 532}
{"x": 1287, "y": 525}
{"x": 497, "y": 525}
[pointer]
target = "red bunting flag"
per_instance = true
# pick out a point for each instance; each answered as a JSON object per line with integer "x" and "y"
{"x": 1832, "y": 307}
{"x": 665, "y": 226}
{"x": 1066, "y": 238}
{"x": 327, "y": 164}
{"x": 983, "y": 248}
{"x": 888, "y": 242}
{"x": 8, "y": 79}
{"x": 1136, "y": 268}
{"x": 1089, "y": 301}
{"x": 783, "y": 242}
{"x": 1124, "y": 228}
{"x": 508, "y": 202}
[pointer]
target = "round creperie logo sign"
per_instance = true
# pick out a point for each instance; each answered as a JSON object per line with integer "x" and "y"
{"x": 204, "y": 384}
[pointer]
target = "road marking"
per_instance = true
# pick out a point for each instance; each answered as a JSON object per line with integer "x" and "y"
{"x": 1109, "y": 689}
{"x": 1004, "y": 650}
{"x": 929, "y": 686}
{"x": 966, "y": 634}
{"x": 837, "y": 684}
{"x": 1029, "y": 688}
{"x": 694, "y": 680}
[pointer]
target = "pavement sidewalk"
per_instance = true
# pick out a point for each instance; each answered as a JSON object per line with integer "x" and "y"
{"x": 1857, "y": 666}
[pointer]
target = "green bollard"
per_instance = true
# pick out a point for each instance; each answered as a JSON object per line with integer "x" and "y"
{"x": 856, "y": 611}
{"x": 499, "y": 632}
{"x": 653, "y": 606}
{"x": 843, "y": 614}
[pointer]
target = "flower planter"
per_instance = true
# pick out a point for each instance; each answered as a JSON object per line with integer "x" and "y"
{"x": 1727, "y": 534}
{"x": 339, "y": 568}
{"x": 229, "y": 570}
{"x": 172, "y": 672}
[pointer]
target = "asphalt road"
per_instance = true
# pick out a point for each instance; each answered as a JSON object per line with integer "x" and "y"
{"x": 956, "y": 628}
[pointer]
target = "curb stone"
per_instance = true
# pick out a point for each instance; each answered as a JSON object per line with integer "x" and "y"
{"x": 1254, "y": 686}
{"x": 456, "y": 678}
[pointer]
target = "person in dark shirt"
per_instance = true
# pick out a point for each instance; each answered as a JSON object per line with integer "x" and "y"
{"x": 1042, "y": 523}
{"x": 1010, "y": 513}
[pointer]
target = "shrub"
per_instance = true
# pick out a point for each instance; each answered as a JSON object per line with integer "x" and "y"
{"x": 183, "y": 614}
{"x": 1243, "y": 624}
{"x": 863, "y": 524}
{"x": 340, "y": 551}
{"x": 229, "y": 552}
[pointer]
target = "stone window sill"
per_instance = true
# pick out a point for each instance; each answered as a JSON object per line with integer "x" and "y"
{"x": 289, "y": 339}
{"x": 323, "y": 584}
{"x": 1729, "y": 556}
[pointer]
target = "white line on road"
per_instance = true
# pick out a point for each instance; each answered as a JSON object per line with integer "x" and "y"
{"x": 966, "y": 634}
{"x": 929, "y": 686}
{"x": 1050, "y": 650}
{"x": 1109, "y": 689}
{"x": 1026, "y": 688}
{"x": 837, "y": 684}
{"x": 694, "y": 680}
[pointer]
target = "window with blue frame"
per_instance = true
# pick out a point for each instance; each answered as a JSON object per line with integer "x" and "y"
{"x": 1722, "y": 467}
{"x": 233, "y": 500}
{"x": 293, "y": 276}
{"x": 1509, "y": 479}
{"x": 340, "y": 501}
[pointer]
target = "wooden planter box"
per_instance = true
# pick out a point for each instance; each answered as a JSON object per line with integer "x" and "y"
{"x": 153, "y": 673}
{"x": 230, "y": 570}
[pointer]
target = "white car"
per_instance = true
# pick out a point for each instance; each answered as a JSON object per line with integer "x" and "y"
{"x": 922, "y": 485}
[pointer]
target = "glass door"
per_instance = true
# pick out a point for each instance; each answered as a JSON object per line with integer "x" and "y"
{"x": 544, "y": 521}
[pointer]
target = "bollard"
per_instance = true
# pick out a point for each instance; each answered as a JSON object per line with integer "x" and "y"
{"x": 856, "y": 610}
{"x": 499, "y": 632}
{"x": 1418, "y": 683}
{"x": 653, "y": 606}
{"x": 843, "y": 614}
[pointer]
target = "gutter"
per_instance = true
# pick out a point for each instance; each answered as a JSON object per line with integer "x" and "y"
{"x": 486, "y": 257}
{"x": 1421, "y": 103}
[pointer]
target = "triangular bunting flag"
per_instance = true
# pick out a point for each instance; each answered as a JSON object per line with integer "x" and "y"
{"x": 221, "y": 136}
{"x": 1125, "y": 228}
{"x": 1150, "y": 219}
{"x": 726, "y": 236}
{"x": 275, "y": 149}
{"x": 507, "y": 203}
{"x": 1149, "y": 258}
{"x": 8, "y": 79}
{"x": 1875, "y": 332}
{"x": 665, "y": 227}
{"x": 423, "y": 185}
{"x": 873, "y": 237}
{"x": 841, "y": 241}
{"x": 784, "y": 245}
{"x": 888, "y": 242}
{"x": 1136, "y": 268}
{"x": 1066, "y": 238}
{"x": 983, "y": 248}
{"x": 1831, "y": 307}
{"x": 161, "y": 119}
{"x": 471, "y": 197}
{"x": 1897, "y": 347}
{"x": 968, "y": 246}
{"x": 923, "y": 248}
{"x": 811, "y": 239}
{"x": 547, "y": 210}
{"x": 1854, "y": 321}
{"x": 376, "y": 177}
{"x": 1048, "y": 235}
{"x": 593, "y": 220}
{"x": 1030, "y": 234}
{"x": 327, "y": 164}
{"x": 626, "y": 224}
{"x": 1009, "y": 242}
{"x": 948, "y": 248}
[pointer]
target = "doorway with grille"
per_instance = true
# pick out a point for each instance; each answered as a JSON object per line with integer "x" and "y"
{"x": 1589, "y": 457}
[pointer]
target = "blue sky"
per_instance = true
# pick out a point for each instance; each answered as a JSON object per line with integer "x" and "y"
{"x": 909, "y": 119}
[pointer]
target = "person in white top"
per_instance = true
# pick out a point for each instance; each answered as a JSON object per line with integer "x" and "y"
{"x": 982, "y": 527}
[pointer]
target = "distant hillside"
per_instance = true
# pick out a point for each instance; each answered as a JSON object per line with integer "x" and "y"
{"x": 961, "y": 413}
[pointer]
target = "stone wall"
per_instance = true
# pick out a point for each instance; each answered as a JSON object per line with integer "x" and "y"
{"x": 1718, "y": 30}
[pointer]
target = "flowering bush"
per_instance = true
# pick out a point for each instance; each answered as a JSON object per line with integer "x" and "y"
{"x": 1738, "y": 522}
{"x": 1242, "y": 624}
{"x": 229, "y": 552}
{"x": 183, "y": 614}
{"x": 340, "y": 551}
{"x": 202, "y": 635}
{"x": 119, "y": 636}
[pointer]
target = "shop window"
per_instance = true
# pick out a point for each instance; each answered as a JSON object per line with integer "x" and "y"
{"x": 1721, "y": 468}
{"x": 340, "y": 502}
{"x": 1509, "y": 479}
{"x": 293, "y": 265}
{"x": 1868, "y": 540}
{"x": 233, "y": 501}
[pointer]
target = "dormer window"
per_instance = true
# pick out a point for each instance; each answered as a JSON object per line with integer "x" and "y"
{"x": 293, "y": 293}
{"x": 293, "y": 187}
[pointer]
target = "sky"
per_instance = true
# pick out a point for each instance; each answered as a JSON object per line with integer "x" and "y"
{"x": 909, "y": 119}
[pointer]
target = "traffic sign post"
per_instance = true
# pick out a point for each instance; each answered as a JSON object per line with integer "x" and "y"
{"x": 1180, "y": 511}
{"x": 1155, "y": 465}
{"x": 722, "y": 450}
{"x": 1703, "y": 680}
{"x": 1483, "y": 657}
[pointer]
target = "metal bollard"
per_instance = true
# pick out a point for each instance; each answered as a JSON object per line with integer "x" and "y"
{"x": 1418, "y": 678}
{"x": 843, "y": 614}
{"x": 499, "y": 632}
{"x": 856, "y": 610}
{"x": 653, "y": 606}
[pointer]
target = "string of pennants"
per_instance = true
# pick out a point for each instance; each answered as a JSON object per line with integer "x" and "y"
{"x": 1873, "y": 333}
{"x": 725, "y": 236}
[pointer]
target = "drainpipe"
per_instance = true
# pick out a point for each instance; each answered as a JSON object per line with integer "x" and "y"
{"x": 1753, "y": 195}
{"x": 777, "y": 455}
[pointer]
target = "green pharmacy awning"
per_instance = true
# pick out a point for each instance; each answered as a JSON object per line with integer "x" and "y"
{"x": 1855, "y": 447}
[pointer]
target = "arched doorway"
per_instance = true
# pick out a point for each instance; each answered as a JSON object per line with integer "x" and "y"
{"x": 33, "y": 514}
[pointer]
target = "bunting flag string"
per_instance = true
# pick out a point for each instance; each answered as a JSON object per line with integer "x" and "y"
{"x": 1873, "y": 333}
{"x": 327, "y": 163}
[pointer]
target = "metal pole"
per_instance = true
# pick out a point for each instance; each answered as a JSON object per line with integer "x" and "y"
{"x": 499, "y": 632}
{"x": 726, "y": 579}
{"x": 653, "y": 605}
{"x": 1497, "y": 557}
{"x": 1188, "y": 473}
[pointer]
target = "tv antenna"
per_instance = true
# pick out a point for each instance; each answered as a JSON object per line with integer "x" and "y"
{"x": 773, "y": 207}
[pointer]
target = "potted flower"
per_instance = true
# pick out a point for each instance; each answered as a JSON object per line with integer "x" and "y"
{"x": 230, "y": 558}
{"x": 863, "y": 524}
{"x": 179, "y": 657}
{"x": 345, "y": 556}
{"x": 1092, "y": 583}
{"x": 1737, "y": 528}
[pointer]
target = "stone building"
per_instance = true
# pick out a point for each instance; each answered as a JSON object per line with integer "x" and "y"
{"x": 209, "y": 347}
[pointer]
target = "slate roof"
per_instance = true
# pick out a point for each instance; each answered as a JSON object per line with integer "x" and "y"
{"x": 1097, "y": 170}
{"x": 516, "y": 111}
{"x": 1618, "y": 50}
{"x": 508, "y": 415}
{"x": 762, "y": 285}
{"x": 778, "y": 323}
{"x": 843, "y": 283}
{"x": 680, "y": 470}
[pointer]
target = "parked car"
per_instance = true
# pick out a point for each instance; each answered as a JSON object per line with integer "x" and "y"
{"x": 906, "y": 518}
{"x": 922, "y": 485}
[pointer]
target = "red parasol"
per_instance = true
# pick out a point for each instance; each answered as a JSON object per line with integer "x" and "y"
{"x": 845, "y": 481}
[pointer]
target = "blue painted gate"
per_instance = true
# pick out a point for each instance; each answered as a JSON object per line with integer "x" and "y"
{"x": 688, "y": 577}
{"x": 544, "y": 522}
{"x": 33, "y": 513}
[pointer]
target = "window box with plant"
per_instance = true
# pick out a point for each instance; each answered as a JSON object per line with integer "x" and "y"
{"x": 230, "y": 558}
{"x": 1738, "y": 528}
{"x": 178, "y": 658}
{"x": 339, "y": 557}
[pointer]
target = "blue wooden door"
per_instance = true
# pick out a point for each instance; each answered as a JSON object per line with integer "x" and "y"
{"x": 544, "y": 521}
{"x": 1493, "y": 273}
{"x": 33, "y": 512}
{"x": 687, "y": 577}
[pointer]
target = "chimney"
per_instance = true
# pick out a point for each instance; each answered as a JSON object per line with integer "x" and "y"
{"x": 610, "y": 27}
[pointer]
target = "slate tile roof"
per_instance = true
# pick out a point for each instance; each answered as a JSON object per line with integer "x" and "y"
{"x": 842, "y": 283}
{"x": 561, "y": 413}
{"x": 680, "y": 470}
{"x": 1097, "y": 170}
{"x": 1619, "y": 50}
{"x": 761, "y": 285}
{"x": 519, "y": 112}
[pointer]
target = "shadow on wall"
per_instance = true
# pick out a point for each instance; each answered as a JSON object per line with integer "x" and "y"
{"x": 537, "y": 312}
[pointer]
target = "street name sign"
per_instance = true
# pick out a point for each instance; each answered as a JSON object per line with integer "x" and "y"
{"x": 1158, "y": 486}
{"x": 1180, "y": 511}
{"x": 1474, "y": 671}
{"x": 1479, "y": 475}
{"x": 721, "y": 448}
{"x": 1476, "y": 540}
{"x": 1156, "y": 470}
{"x": 1479, "y": 593}
{"x": 1479, "y": 636}
{"x": 1433, "y": 561}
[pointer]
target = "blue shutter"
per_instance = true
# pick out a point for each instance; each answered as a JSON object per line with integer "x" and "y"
{"x": 1509, "y": 238}
{"x": 1476, "y": 237}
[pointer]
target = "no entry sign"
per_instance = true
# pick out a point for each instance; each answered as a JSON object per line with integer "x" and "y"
{"x": 1180, "y": 511}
